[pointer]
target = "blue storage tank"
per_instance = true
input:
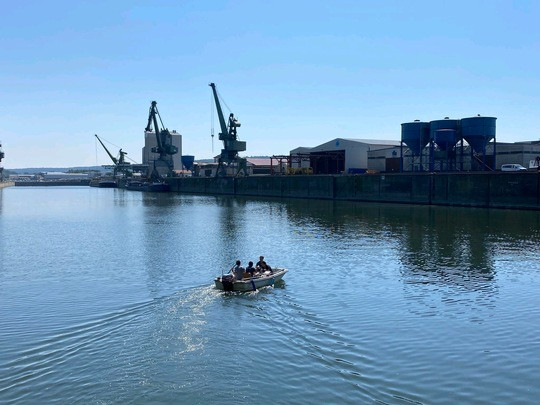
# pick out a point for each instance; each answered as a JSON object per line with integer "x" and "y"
{"x": 187, "y": 161}
{"x": 445, "y": 138}
{"x": 415, "y": 135}
{"x": 478, "y": 131}
{"x": 445, "y": 132}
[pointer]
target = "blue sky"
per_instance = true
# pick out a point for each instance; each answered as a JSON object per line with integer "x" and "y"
{"x": 295, "y": 73}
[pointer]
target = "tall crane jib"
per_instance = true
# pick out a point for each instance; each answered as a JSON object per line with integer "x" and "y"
{"x": 163, "y": 165}
{"x": 120, "y": 164}
{"x": 231, "y": 145}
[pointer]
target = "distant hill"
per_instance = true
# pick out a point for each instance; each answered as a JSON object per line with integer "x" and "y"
{"x": 34, "y": 170}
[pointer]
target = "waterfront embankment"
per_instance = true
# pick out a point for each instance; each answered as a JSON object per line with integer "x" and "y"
{"x": 489, "y": 190}
{"x": 52, "y": 183}
{"x": 6, "y": 184}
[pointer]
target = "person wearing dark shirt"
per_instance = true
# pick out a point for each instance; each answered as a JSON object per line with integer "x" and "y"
{"x": 250, "y": 269}
{"x": 262, "y": 266}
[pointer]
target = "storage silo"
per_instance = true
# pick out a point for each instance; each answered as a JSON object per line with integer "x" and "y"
{"x": 415, "y": 135}
{"x": 187, "y": 161}
{"x": 478, "y": 131}
{"x": 445, "y": 133}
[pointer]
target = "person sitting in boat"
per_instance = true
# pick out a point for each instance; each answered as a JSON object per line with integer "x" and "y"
{"x": 262, "y": 266}
{"x": 250, "y": 269}
{"x": 238, "y": 271}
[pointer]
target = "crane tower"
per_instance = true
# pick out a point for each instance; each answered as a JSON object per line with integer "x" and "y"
{"x": 163, "y": 165}
{"x": 231, "y": 145}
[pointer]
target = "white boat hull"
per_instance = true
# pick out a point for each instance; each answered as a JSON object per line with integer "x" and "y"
{"x": 252, "y": 283}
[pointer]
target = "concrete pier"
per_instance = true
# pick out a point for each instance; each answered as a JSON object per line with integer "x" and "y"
{"x": 6, "y": 184}
{"x": 516, "y": 190}
{"x": 52, "y": 183}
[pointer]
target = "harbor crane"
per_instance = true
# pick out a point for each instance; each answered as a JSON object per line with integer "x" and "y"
{"x": 119, "y": 163}
{"x": 231, "y": 145}
{"x": 163, "y": 165}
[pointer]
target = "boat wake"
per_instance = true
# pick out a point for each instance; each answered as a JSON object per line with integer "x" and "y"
{"x": 119, "y": 347}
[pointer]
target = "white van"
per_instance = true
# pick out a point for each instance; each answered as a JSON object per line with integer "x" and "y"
{"x": 512, "y": 167}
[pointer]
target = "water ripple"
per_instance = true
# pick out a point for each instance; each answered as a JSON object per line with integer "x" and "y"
{"x": 382, "y": 304}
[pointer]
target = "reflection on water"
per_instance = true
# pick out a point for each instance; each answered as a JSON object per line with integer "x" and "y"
{"x": 231, "y": 225}
{"x": 107, "y": 297}
{"x": 447, "y": 256}
{"x": 428, "y": 238}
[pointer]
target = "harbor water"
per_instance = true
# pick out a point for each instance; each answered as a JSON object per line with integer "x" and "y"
{"x": 107, "y": 297}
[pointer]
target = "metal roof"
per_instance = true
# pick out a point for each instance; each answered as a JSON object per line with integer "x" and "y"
{"x": 379, "y": 142}
{"x": 259, "y": 161}
{"x": 373, "y": 141}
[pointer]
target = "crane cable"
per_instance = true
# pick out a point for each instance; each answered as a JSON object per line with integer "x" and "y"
{"x": 159, "y": 116}
{"x": 223, "y": 101}
{"x": 116, "y": 146}
{"x": 95, "y": 142}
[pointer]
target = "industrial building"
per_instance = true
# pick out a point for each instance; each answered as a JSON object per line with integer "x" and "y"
{"x": 338, "y": 156}
{"x": 150, "y": 142}
{"x": 254, "y": 166}
{"x": 467, "y": 144}
{"x": 447, "y": 145}
{"x": 523, "y": 153}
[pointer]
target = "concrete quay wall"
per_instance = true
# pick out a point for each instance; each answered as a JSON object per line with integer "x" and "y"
{"x": 52, "y": 183}
{"x": 490, "y": 190}
{"x": 6, "y": 184}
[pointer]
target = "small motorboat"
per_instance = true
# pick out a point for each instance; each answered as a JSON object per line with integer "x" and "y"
{"x": 227, "y": 282}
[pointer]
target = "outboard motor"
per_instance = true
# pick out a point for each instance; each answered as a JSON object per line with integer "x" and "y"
{"x": 228, "y": 282}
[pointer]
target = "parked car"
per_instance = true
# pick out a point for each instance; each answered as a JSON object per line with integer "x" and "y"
{"x": 512, "y": 167}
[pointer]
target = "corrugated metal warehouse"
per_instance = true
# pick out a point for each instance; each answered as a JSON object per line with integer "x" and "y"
{"x": 338, "y": 156}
